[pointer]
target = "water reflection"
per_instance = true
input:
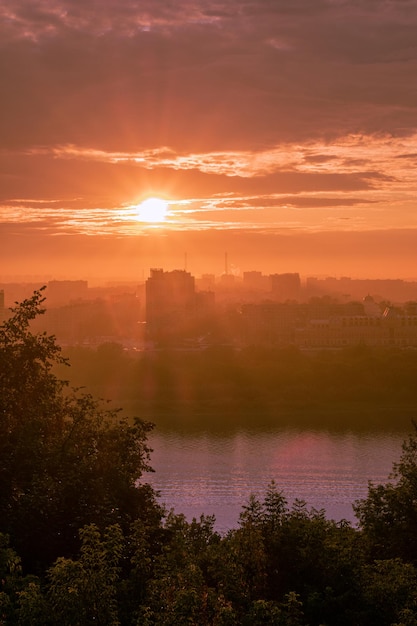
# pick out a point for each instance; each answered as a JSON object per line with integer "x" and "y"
{"x": 215, "y": 474}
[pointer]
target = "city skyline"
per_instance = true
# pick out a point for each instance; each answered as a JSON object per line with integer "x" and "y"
{"x": 284, "y": 136}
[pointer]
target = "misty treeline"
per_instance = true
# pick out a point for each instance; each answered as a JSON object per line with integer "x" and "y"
{"x": 350, "y": 387}
{"x": 85, "y": 540}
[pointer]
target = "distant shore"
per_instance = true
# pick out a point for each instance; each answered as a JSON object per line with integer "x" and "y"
{"x": 362, "y": 389}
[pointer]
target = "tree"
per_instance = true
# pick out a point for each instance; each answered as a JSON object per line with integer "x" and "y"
{"x": 179, "y": 590}
{"x": 83, "y": 591}
{"x": 10, "y": 571}
{"x": 66, "y": 459}
{"x": 390, "y": 593}
{"x": 388, "y": 516}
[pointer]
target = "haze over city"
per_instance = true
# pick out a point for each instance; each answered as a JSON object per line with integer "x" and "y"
{"x": 282, "y": 134}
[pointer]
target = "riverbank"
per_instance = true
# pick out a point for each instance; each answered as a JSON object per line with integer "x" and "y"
{"x": 359, "y": 388}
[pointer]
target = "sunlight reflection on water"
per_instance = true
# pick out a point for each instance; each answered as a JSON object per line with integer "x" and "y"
{"x": 215, "y": 474}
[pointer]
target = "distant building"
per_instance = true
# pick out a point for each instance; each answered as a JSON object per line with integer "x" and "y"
{"x": 227, "y": 281}
{"x": 170, "y": 303}
{"x": 396, "y": 290}
{"x": 114, "y": 318}
{"x": 371, "y": 308}
{"x": 392, "y": 329}
{"x": 61, "y": 292}
{"x": 271, "y": 323}
{"x": 285, "y": 287}
{"x": 206, "y": 282}
{"x": 255, "y": 281}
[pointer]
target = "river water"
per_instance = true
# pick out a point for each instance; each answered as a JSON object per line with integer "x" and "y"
{"x": 215, "y": 474}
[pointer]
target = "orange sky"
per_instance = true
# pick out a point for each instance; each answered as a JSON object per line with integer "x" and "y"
{"x": 283, "y": 133}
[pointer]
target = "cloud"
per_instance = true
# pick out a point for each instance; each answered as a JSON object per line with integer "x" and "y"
{"x": 127, "y": 75}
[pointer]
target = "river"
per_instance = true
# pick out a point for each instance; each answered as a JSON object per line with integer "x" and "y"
{"x": 216, "y": 473}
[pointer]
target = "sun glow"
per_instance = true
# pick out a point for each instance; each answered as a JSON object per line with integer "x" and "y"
{"x": 152, "y": 210}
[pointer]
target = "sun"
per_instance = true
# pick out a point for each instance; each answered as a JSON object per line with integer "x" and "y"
{"x": 152, "y": 210}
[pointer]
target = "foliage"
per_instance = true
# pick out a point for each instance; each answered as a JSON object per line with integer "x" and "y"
{"x": 67, "y": 460}
{"x": 390, "y": 592}
{"x": 388, "y": 516}
{"x": 84, "y": 591}
{"x": 10, "y": 570}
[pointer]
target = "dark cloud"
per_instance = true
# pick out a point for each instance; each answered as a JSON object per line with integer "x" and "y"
{"x": 200, "y": 75}
{"x": 320, "y": 158}
{"x": 411, "y": 155}
{"x": 48, "y": 178}
{"x": 296, "y": 201}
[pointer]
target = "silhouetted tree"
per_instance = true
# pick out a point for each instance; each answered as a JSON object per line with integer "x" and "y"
{"x": 388, "y": 516}
{"x": 66, "y": 459}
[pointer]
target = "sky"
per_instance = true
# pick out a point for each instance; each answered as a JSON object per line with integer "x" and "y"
{"x": 282, "y": 135}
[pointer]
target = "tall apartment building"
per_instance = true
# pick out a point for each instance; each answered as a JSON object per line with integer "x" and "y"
{"x": 285, "y": 286}
{"x": 255, "y": 281}
{"x": 170, "y": 303}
